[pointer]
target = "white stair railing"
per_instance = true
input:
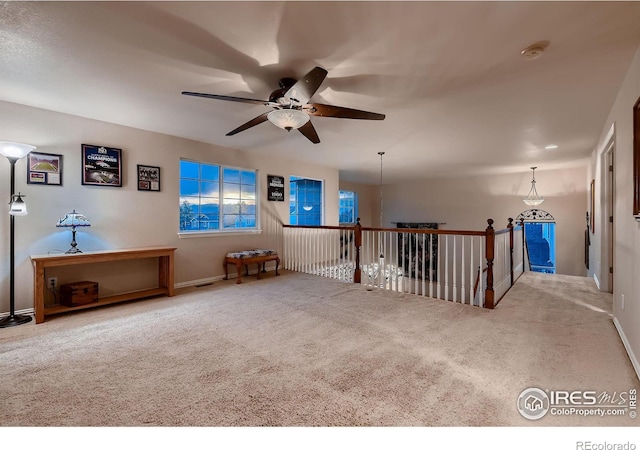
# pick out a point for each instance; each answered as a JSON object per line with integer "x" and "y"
{"x": 470, "y": 267}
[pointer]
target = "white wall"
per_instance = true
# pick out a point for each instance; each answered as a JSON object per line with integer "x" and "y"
{"x": 125, "y": 217}
{"x": 466, "y": 204}
{"x": 626, "y": 258}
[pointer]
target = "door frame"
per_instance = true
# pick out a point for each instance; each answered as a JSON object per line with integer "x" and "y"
{"x": 606, "y": 198}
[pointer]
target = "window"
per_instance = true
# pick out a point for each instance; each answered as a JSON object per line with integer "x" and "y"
{"x": 348, "y": 205}
{"x": 305, "y": 201}
{"x": 203, "y": 187}
{"x": 541, "y": 245}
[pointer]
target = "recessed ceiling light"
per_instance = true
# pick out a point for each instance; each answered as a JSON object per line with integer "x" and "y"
{"x": 551, "y": 147}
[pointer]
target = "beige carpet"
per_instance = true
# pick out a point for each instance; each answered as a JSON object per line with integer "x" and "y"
{"x": 300, "y": 350}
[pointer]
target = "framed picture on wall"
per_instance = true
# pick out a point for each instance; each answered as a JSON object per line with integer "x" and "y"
{"x": 101, "y": 166}
{"x": 44, "y": 168}
{"x": 148, "y": 178}
{"x": 636, "y": 159}
{"x": 275, "y": 188}
{"x": 592, "y": 203}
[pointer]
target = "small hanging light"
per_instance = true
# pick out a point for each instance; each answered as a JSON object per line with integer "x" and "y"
{"x": 533, "y": 199}
{"x": 17, "y": 207}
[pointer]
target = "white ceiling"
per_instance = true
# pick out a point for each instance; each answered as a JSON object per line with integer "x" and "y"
{"x": 459, "y": 98}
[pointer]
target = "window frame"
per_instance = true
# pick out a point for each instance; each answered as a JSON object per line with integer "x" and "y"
{"x": 221, "y": 230}
{"x": 322, "y": 198}
{"x": 354, "y": 211}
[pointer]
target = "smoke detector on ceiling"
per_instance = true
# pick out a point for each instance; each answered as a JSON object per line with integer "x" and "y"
{"x": 535, "y": 51}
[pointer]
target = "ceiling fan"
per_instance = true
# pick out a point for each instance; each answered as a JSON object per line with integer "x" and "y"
{"x": 291, "y": 107}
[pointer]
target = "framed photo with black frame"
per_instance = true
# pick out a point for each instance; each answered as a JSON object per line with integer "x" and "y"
{"x": 275, "y": 188}
{"x": 592, "y": 205}
{"x": 148, "y": 178}
{"x": 636, "y": 160}
{"x": 101, "y": 166}
{"x": 44, "y": 168}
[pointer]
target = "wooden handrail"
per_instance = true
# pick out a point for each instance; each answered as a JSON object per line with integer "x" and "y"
{"x": 356, "y": 238}
{"x": 426, "y": 231}
{"x": 322, "y": 227}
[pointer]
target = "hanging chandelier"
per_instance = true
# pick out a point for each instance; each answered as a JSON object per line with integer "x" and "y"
{"x": 533, "y": 198}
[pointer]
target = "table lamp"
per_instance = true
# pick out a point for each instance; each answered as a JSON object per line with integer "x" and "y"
{"x": 73, "y": 220}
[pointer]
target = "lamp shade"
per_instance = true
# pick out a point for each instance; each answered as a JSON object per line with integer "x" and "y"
{"x": 73, "y": 219}
{"x": 15, "y": 150}
{"x": 17, "y": 207}
{"x": 288, "y": 119}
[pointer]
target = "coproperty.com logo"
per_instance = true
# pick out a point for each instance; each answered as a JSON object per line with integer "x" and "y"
{"x": 534, "y": 403}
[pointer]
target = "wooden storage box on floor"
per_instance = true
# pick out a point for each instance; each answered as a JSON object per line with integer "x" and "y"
{"x": 78, "y": 293}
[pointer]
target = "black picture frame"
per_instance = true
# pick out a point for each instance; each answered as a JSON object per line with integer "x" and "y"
{"x": 101, "y": 166}
{"x": 148, "y": 178}
{"x": 275, "y": 188}
{"x": 592, "y": 205}
{"x": 636, "y": 159}
{"x": 44, "y": 169}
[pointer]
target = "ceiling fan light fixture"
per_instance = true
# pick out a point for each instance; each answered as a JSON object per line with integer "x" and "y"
{"x": 288, "y": 119}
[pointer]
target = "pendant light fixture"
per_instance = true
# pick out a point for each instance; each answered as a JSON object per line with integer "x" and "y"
{"x": 381, "y": 262}
{"x": 533, "y": 199}
{"x": 381, "y": 154}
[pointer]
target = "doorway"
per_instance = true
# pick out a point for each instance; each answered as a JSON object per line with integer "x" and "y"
{"x": 540, "y": 240}
{"x": 609, "y": 202}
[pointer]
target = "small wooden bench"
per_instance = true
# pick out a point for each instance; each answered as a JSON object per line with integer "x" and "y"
{"x": 246, "y": 257}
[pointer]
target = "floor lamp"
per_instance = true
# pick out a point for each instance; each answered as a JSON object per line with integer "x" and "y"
{"x": 13, "y": 151}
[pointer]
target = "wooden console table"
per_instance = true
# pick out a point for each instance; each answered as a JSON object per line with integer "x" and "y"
{"x": 165, "y": 257}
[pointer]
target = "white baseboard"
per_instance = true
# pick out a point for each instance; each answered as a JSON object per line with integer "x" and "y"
{"x": 201, "y": 281}
{"x": 595, "y": 278}
{"x": 627, "y": 346}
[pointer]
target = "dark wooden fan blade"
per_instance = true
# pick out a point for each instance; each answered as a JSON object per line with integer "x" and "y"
{"x": 228, "y": 98}
{"x": 318, "y": 109}
{"x": 304, "y": 89}
{"x": 309, "y": 132}
{"x": 252, "y": 123}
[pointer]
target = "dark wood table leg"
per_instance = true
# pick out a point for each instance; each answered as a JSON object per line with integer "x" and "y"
{"x": 239, "y": 268}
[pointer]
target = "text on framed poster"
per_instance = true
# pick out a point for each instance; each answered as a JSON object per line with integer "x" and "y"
{"x": 275, "y": 188}
{"x": 101, "y": 166}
